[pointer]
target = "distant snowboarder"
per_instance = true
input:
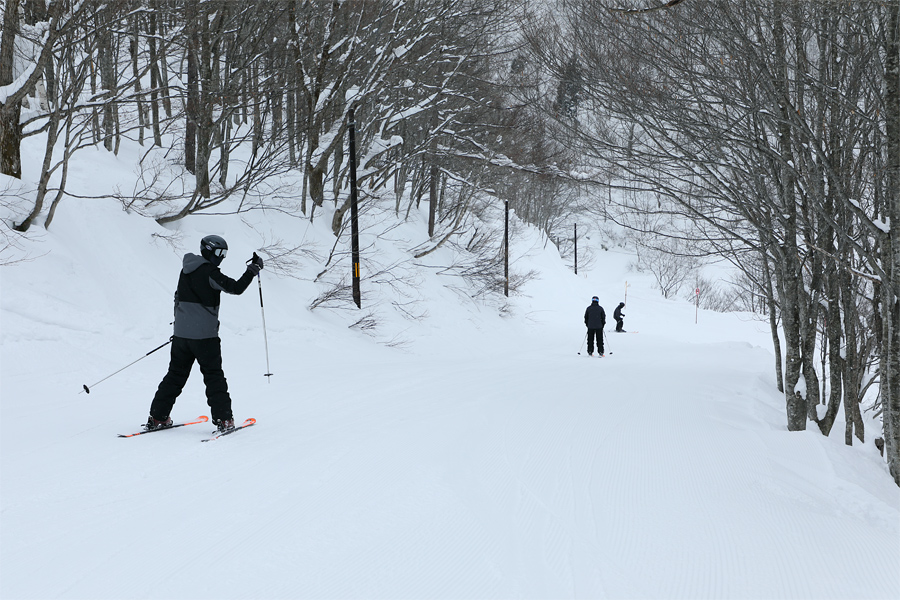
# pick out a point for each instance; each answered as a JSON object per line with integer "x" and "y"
{"x": 619, "y": 316}
{"x": 595, "y": 321}
{"x": 197, "y": 332}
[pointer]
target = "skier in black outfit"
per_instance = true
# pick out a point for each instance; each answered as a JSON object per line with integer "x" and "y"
{"x": 619, "y": 316}
{"x": 196, "y": 335}
{"x": 595, "y": 321}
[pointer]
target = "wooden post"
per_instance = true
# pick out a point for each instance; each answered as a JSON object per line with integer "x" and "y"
{"x": 506, "y": 249}
{"x": 433, "y": 198}
{"x": 576, "y": 248}
{"x": 354, "y": 213}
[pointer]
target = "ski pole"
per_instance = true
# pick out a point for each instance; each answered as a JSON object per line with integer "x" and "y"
{"x": 265, "y": 336}
{"x": 88, "y": 389}
{"x": 582, "y": 343}
{"x": 607, "y": 341}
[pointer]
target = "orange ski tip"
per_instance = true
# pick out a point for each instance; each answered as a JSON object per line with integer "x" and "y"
{"x": 250, "y": 421}
{"x": 203, "y": 418}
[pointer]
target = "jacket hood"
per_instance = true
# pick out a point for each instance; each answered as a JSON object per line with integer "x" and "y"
{"x": 192, "y": 262}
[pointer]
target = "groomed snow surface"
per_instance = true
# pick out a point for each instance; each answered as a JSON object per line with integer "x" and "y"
{"x": 469, "y": 452}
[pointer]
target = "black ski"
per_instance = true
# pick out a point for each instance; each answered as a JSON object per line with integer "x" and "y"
{"x": 218, "y": 434}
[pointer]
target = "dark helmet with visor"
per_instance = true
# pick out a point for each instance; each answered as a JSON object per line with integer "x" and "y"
{"x": 213, "y": 248}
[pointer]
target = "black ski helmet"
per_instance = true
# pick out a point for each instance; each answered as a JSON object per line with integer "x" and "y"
{"x": 213, "y": 248}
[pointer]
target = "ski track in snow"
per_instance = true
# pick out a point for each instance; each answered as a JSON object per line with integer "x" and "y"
{"x": 488, "y": 461}
{"x": 594, "y": 483}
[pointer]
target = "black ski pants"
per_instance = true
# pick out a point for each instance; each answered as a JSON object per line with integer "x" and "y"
{"x": 208, "y": 353}
{"x": 592, "y": 333}
{"x": 620, "y": 324}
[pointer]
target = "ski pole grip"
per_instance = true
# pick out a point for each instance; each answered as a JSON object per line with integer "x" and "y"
{"x": 161, "y": 346}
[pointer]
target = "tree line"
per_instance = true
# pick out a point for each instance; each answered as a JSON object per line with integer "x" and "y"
{"x": 241, "y": 94}
{"x": 767, "y": 133}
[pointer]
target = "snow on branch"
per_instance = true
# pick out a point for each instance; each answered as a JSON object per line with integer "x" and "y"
{"x": 634, "y": 11}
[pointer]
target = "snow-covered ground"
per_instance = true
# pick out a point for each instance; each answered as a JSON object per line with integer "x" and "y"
{"x": 468, "y": 453}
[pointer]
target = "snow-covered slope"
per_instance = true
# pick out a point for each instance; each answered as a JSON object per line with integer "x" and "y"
{"x": 468, "y": 453}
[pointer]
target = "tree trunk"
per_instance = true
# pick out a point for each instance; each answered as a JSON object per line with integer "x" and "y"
{"x": 291, "y": 120}
{"x": 163, "y": 66}
{"x": 204, "y": 107}
{"x": 833, "y": 335}
{"x": 193, "y": 91}
{"x": 890, "y": 357}
{"x": 854, "y": 363}
{"x": 60, "y": 191}
{"x": 257, "y": 111}
{"x": 35, "y": 11}
{"x": 96, "y": 132}
{"x": 43, "y": 182}
{"x": 109, "y": 82}
{"x": 10, "y": 130}
{"x": 338, "y": 160}
{"x": 337, "y": 219}
{"x": 134, "y": 47}
{"x": 292, "y": 87}
{"x": 155, "y": 81}
{"x": 790, "y": 316}
{"x": 315, "y": 173}
{"x": 808, "y": 336}
{"x": 10, "y": 140}
{"x": 773, "y": 316}
{"x": 791, "y": 280}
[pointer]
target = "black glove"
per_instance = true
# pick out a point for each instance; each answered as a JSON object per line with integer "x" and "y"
{"x": 255, "y": 264}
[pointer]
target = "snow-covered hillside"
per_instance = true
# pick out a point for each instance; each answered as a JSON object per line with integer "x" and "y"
{"x": 464, "y": 451}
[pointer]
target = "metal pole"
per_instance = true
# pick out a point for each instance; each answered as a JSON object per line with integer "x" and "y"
{"x": 87, "y": 389}
{"x": 265, "y": 336}
{"x": 354, "y": 212}
{"x": 584, "y": 339}
{"x": 576, "y": 248}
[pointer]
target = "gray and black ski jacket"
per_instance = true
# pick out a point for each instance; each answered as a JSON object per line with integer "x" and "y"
{"x": 197, "y": 298}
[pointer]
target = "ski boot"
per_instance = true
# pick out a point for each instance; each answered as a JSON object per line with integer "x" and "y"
{"x": 154, "y": 423}
{"x": 223, "y": 424}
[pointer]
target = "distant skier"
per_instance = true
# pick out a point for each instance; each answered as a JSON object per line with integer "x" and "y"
{"x": 619, "y": 316}
{"x": 595, "y": 321}
{"x": 196, "y": 335}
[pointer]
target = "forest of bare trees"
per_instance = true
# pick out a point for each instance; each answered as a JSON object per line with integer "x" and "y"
{"x": 763, "y": 132}
{"x": 276, "y": 78}
{"x": 769, "y": 134}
